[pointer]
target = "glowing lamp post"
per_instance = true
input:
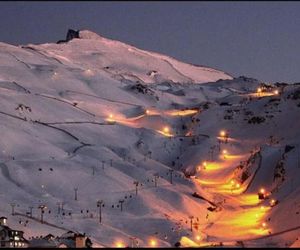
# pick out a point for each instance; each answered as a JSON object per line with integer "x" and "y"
{"x": 222, "y": 133}
{"x": 147, "y": 111}
{"x": 119, "y": 244}
{"x": 225, "y": 152}
{"x": 233, "y": 183}
{"x": 259, "y": 90}
{"x": 261, "y": 194}
{"x": 111, "y": 119}
{"x": 153, "y": 243}
{"x": 166, "y": 130}
{"x": 276, "y": 92}
{"x": 273, "y": 202}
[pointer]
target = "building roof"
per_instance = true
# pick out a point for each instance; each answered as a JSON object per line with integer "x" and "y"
{"x": 49, "y": 236}
{"x": 6, "y": 228}
{"x": 38, "y": 242}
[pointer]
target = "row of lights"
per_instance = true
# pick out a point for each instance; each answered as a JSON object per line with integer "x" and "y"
{"x": 166, "y": 129}
{"x": 223, "y": 134}
{"x": 262, "y": 191}
{"x": 152, "y": 243}
{"x": 235, "y": 184}
{"x": 262, "y": 194}
{"x": 260, "y": 90}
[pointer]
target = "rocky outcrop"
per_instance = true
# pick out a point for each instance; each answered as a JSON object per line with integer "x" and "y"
{"x": 70, "y": 35}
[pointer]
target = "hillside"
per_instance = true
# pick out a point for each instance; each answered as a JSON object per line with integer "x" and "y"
{"x": 95, "y": 119}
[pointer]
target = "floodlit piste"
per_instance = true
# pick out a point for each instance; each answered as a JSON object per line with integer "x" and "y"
{"x": 105, "y": 144}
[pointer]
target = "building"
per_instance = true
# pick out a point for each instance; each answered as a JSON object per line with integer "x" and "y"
{"x": 75, "y": 240}
{"x": 67, "y": 240}
{"x": 10, "y": 238}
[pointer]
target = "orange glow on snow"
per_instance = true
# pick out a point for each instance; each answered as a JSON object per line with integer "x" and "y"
{"x": 119, "y": 244}
{"x": 153, "y": 243}
{"x": 209, "y": 166}
{"x": 165, "y": 131}
{"x": 181, "y": 112}
{"x": 248, "y": 199}
{"x": 222, "y": 133}
{"x": 262, "y": 190}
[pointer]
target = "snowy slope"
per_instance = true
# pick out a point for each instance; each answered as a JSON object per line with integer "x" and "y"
{"x": 125, "y": 62}
{"x": 98, "y": 115}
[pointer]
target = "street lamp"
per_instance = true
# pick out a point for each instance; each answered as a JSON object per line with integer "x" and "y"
{"x": 261, "y": 194}
{"x": 259, "y": 90}
{"x": 111, "y": 119}
{"x": 225, "y": 152}
{"x": 222, "y": 133}
{"x": 198, "y": 237}
{"x": 273, "y": 202}
{"x": 153, "y": 243}
{"x": 166, "y": 130}
{"x": 119, "y": 244}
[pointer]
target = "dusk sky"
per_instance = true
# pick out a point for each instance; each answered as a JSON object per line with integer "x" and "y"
{"x": 255, "y": 39}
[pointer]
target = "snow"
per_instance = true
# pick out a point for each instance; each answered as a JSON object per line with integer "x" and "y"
{"x": 66, "y": 139}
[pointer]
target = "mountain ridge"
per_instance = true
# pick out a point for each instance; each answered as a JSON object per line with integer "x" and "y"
{"x": 93, "y": 43}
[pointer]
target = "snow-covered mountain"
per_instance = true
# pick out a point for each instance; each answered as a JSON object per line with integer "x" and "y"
{"x": 94, "y": 119}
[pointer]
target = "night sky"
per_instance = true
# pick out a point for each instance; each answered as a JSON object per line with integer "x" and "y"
{"x": 255, "y": 39}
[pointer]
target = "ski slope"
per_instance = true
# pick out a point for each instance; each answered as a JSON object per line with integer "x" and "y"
{"x": 96, "y": 119}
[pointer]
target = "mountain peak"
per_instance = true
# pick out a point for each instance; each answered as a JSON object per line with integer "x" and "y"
{"x": 87, "y": 34}
{"x": 81, "y": 34}
{"x": 86, "y": 49}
